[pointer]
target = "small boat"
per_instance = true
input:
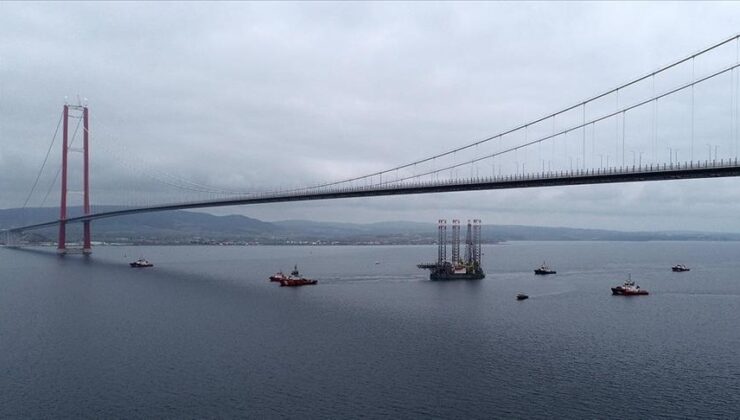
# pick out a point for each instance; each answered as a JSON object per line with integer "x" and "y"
{"x": 544, "y": 269}
{"x": 521, "y": 296}
{"x": 680, "y": 268}
{"x": 629, "y": 288}
{"x": 141, "y": 263}
{"x": 295, "y": 279}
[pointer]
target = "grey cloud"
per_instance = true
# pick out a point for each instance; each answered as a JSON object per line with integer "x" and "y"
{"x": 254, "y": 96}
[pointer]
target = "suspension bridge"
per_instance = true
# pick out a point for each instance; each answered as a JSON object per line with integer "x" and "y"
{"x": 630, "y": 133}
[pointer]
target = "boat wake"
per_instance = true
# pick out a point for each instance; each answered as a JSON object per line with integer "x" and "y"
{"x": 373, "y": 279}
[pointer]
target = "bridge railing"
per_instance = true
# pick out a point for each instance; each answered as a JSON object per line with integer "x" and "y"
{"x": 531, "y": 176}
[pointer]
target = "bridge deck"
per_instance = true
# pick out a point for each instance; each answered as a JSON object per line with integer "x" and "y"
{"x": 576, "y": 177}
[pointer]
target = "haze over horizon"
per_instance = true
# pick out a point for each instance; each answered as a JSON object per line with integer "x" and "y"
{"x": 400, "y": 223}
{"x": 231, "y": 94}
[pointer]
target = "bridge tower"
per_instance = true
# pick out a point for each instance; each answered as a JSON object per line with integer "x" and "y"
{"x": 86, "y": 242}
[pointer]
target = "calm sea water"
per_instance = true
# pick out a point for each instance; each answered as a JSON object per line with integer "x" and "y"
{"x": 204, "y": 334}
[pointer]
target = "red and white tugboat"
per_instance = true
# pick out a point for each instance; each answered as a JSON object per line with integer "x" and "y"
{"x": 629, "y": 288}
{"x": 295, "y": 279}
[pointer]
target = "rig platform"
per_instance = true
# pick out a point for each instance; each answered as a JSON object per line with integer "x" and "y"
{"x": 458, "y": 267}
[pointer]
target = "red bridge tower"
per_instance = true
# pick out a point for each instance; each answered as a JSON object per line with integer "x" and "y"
{"x": 86, "y": 243}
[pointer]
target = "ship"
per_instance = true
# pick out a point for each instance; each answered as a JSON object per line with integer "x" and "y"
{"x": 467, "y": 267}
{"x": 680, "y": 268}
{"x": 294, "y": 280}
{"x": 522, "y": 296}
{"x": 544, "y": 269}
{"x": 279, "y": 276}
{"x": 297, "y": 282}
{"x": 141, "y": 263}
{"x": 629, "y": 288}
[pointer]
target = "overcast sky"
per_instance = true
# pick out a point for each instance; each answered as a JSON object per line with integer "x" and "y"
{"x": 249, "y": 96}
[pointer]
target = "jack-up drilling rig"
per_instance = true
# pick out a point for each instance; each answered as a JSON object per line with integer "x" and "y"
{"x": 458, "y": 268}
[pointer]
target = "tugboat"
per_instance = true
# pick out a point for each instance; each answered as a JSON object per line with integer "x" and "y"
{"x": 544, "y": 269}
{"x": 521, "y": 296}
{"x": 680, "y": 268}
{"x": 629, "y": 288}
{"x": 141, "y": 263}
{"x": 295, "y": 279}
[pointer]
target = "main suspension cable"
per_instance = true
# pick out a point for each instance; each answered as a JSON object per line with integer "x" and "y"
{"x": 536, "y": 121}
{"x": 46, "y": 158}
{"x": 59, "y": 169}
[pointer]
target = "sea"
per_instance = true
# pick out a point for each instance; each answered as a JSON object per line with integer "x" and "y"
{"x": 204, "y": 334}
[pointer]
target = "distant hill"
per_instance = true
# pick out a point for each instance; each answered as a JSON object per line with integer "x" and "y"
{"x": 165, "y": 227}
{"x": 492, "y": 233}
{"x": 185, "y": 227}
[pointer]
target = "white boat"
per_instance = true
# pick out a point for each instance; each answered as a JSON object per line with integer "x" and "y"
{"x": 140, "y": 263}
{"x": 544, "y": 270}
